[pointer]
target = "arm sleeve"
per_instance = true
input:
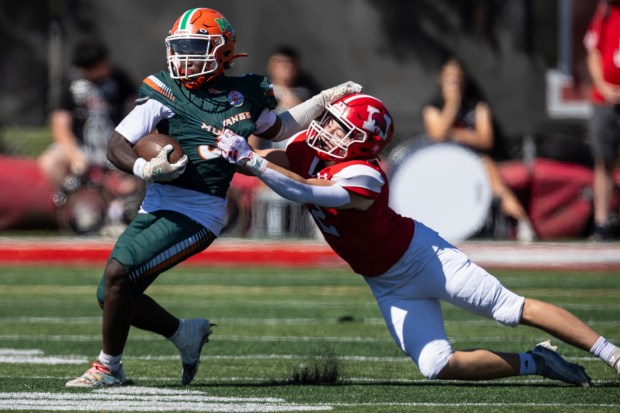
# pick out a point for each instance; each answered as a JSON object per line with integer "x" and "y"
{"x": 332, "y": 196}
{"x": 299, "y": 117}
{"x": 143, "y": 119}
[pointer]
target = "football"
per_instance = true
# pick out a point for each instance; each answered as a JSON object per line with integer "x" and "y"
{"x": 149, "y": 146}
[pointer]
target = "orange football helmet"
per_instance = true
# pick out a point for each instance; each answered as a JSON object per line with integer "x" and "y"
{"x": 200, "y": 46}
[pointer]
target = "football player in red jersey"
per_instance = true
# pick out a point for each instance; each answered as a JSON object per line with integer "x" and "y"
{"x": 333, "y": 168}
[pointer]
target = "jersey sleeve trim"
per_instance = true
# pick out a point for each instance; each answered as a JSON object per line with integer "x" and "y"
{"x": 361, "y": 179}
{"x": 158, "y": 86}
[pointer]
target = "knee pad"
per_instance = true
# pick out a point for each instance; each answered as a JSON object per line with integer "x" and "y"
{"x": 508, "y": 308}
{"x": 433, "y": 358}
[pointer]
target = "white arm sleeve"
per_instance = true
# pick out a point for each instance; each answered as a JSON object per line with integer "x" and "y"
{"x": 143, "y": 119}
{"x": 332, "y": 196}
{"x": 299, "y": 117}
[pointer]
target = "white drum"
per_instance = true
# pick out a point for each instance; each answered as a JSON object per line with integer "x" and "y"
{"x": 445, "y": 186}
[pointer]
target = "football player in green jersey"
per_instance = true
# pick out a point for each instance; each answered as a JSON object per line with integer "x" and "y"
{"x": 185, "y": 203}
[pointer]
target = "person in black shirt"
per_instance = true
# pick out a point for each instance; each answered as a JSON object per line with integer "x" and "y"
{"x": 460, "y": 114}
{"x": 95, "y": 98}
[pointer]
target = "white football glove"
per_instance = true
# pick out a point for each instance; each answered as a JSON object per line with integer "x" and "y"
{"x": 159, "y": 168}
{"x": 333, "y": 94}
{"x": 235, "y": 149}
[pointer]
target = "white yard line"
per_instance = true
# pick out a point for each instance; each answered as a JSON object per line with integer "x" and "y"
{"x": 148, "y": 399}
{"x": 143, "y": 399}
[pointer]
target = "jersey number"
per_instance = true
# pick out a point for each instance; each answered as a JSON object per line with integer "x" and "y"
{"x": 319, "y": 217}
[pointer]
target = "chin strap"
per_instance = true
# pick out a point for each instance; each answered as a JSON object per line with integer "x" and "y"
{"x": 199, "y": 82}
{"x": 237, "y": 56}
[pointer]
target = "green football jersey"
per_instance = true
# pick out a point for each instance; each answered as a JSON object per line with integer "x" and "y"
{"x": 233, "y": 103}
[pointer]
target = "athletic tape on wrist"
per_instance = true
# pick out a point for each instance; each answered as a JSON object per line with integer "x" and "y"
{"x": 255, "y": 164}
{"x": 138, "y": 167}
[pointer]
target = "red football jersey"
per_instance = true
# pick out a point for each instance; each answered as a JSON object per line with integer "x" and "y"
{"x": 371, "y": 241}
{"x": 604, "y": 35}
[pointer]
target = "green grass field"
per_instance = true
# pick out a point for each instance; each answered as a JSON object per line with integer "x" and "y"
{"x": 274, "y": 326}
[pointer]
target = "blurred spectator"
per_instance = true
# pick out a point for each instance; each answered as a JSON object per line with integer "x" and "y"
{"x": 291, "y": 84}
{"x": 95, "y": 98}
{"x": 602, "y": 42}
{"x": 460, "y": 114}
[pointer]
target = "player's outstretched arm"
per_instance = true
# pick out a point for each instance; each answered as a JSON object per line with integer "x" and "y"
{"x": 299, "y": 117}
{"x": 289, "y": 185}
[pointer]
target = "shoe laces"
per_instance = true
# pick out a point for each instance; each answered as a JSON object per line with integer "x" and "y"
{"x": 100, "y": 368}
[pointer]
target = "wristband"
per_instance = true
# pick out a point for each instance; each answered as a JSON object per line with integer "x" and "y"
{"x": 138, "y": 167}
{"x": 255, "y": 164}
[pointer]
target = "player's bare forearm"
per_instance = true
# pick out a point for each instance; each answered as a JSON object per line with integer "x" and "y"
{"x": 120, "y": 153}
{"x": 275, "y": 156}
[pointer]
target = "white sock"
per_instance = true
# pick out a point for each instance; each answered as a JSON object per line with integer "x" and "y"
{"x": 112, "y": 362}
{"x": 527, "y": 364}
{"x": 178, "y": 336}
{"x": 603, "y": 349}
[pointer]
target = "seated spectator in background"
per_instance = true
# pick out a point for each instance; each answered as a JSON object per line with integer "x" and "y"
{"x": 461, "y": 115}
{"x": 602, "y": 43}
{"x": 95, "y": 98}
{"x": 291, "y": 84}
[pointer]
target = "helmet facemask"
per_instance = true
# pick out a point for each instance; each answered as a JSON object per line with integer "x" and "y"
{"x": 192, "y": 56}
{"x": 334, "y": 145}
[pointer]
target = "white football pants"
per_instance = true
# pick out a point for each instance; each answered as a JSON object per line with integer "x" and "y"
{"x": 431, "y": 270}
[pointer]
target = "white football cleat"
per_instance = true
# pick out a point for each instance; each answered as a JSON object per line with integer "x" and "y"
{"x": 99, "y": 376}
{"x": 194, "y": 335}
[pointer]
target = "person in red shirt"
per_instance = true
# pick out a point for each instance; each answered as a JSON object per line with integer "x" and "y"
{"x": 333, "y": 168}
{"x": 602, "y": 42}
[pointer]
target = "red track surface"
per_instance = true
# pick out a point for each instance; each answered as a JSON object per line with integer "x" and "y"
{"x": 290, "y": 253}
{"x": 222, "y": 253}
